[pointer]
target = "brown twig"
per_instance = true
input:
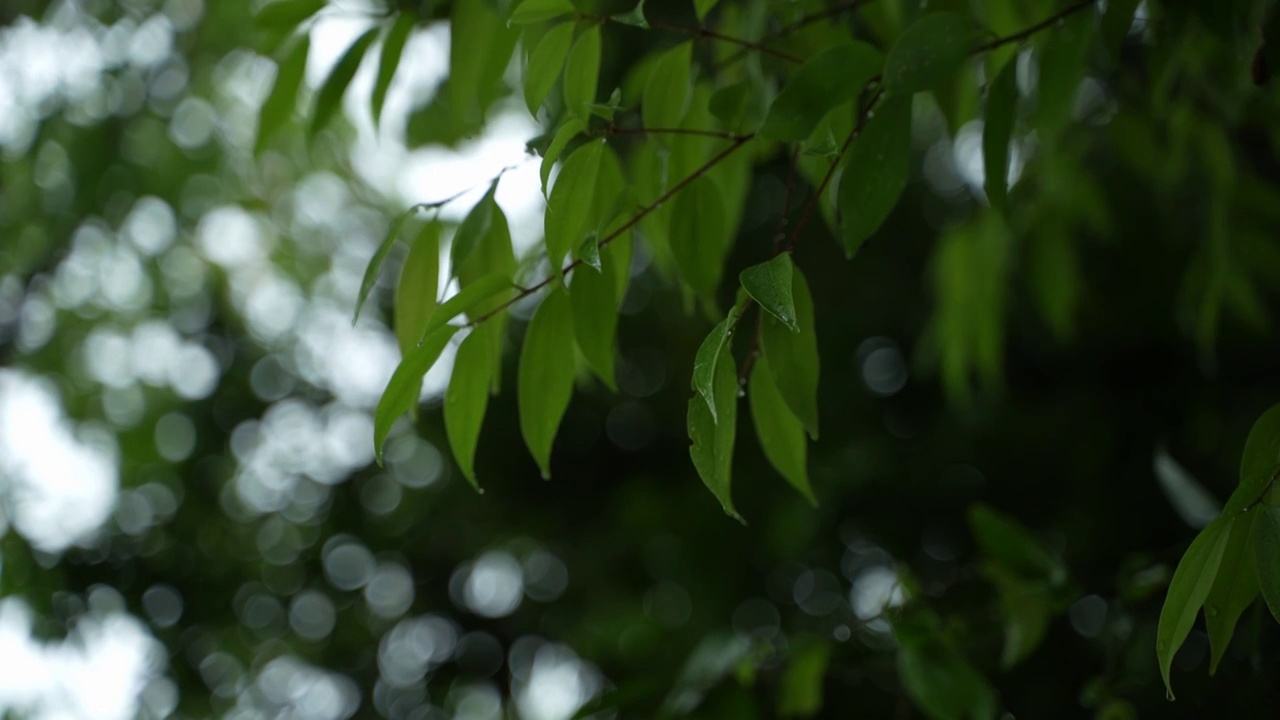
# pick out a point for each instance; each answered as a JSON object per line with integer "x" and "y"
{"x": 748, "y": 45}
{"x": 797, "y": 25}
{"x": 1028, "y": 32}
{"x": 670, "y": 131}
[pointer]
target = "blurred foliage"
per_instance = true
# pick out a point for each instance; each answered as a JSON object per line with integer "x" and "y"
{"x": 190, "y": 196}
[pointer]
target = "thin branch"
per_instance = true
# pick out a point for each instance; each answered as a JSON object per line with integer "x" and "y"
{"x": 1262, "y": 496}
{"x": 781, "y": 234}
{"x": 670, "y": 131}
{"x": 797, "y": 25}
{"x": 748, "y": 45}
{"x": 635, "y": 220}
{"x": 437, "y": 204}
{"x": 1028, "y": 32}
{"x": 753, "y": 352}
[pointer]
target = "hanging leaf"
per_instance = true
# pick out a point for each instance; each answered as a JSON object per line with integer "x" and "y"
{"x": 467, "y": 397}
{"x": 943, "y": 684}
{"x": 569, "y": 208}
{"x": 1234, "y": 588}
{"x": 1062, "y": 64}
{"x": 669, "y": 89}
{"x": 285, "y": 14}
{"x": 545, "y": 65}
{"x": 1188, "y": 589}
{"x": 568, "y": 131}
{"x": 1025, "y": 607}
{"x": 594, "y": 298}
{"x": 389, "y": 60}
{"x": 468, "y": 298}
{"x": 379, "y": 255}
{"x": 830, "y": 78}
{"x": 536, "y": 11}
{"x": 545, "y": 381}
{"x": 712, "y": 426}
{"x": 930, "y": 51}
{"x": 997, "y": 131}
{"x": 793, "y": 357}
{"x": 698, "y": 236}
{"x": 277, "y": 109}
{"x": 715, "y": 657}
{"x": 1266, "y": 555}
{"x": 329, "y": 97}
{"x": 405, "y": 385}
{"x": 780, "y": 432}
{"x": 800, "y": 691}
{"x": 480, "y": 48}
{"x": 708, "y": 356}
{"x": 1260, "y": 461}
{"x": 582, "y": 74}
{"x": 876, "y": 171}
{"x": 419, "y": 283}
{"x": 474, "y": 229}
{"x": 769, "y": 284}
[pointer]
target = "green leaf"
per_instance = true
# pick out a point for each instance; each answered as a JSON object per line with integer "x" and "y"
{"x": 568, "y": 131}
{"x": 928, "y": 52}
{"x": 589, "y": 252}
{"x": 1266, "y": 555}
{"x": 800, "y": 691}
{"x": 826, "y": 80}
{"x": 569, "y": 208}
{"x": 536, "y": 11}
{"x": 545, "y": 65}
{"x": 712, "y": 426}
{"x": 405, "y": 385}
{"x": 943, "y": 685}
{"x": 1260, "y": 461}
{"x": 419, "y": 283}
{"x": 708, "y": 355}
{"x": 710, "y": 662}
{"x": 1188, "y": 589}
{"x": 546, "y": 376}
{"x": 594, "y": 299}
{"x": 475, "y": 227}
{"x": 1062, "y": 64}
{"x": 702, "y": 7}
{"x": 582, "y": 74}
{"x": 769, "y": 284}
{"x": 1234, "y": 588}
{"x": 329, "y": 97}
{"x": 780, "y": 432}
{"x": 1116, "y": 23}
{"x": 634, "y": 17}
{"x": 286, "y": 13}
{"x": 698, "y": 235}
{"x": 669, "y": 89}
{"x": 875, "y": 172}
{"x": 379, "y": 255}
{"x": 997, "y": 131}
{"x": 480, "y": 48}
{"x": 1025, "y": 606}
{"x": 467, "y": 397}
{"x": 793, "y": 357}
{"x": 389, "y": 60}
{"x": 1007, "y": 542}
{"x": 469, "y": 297}
{"x": 277, "y": 109}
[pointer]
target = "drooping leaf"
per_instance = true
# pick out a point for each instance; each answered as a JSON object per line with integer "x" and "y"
{"x": 711, "y": 661}
{"x": 830, "y": 78}
{"x": 1188, "y": 589}
{"x": 702, "y": 7}
{"x": 277, "y": 109}
{"x": 793, "y": 357}
{"x": 545, "y": 376}
{"x": 568, "y": 131}
{"x": 1266, "y": 555}
{"x": 800, "y": 691}
{"x": 780, "y": 432}
{"x": 389, "y": 60}
{"x": 669, "y": 89}
{"x": 480, "y": 48}
{"x": 468, "y": 298}
{"x": 708, "y": 356}
{"x": 712, "y": 432}
{"x": 943, "y": 685}
{"x": 1260, "y": 461}
{"x": 769, "y": 284}
{"x": 546, "y": 63}
{"x": 1062, "y": 66}
{"x": 698, "y": 236}
{"x": 875, "y": 172}
{"x": 582, "y": 73}
{"x": 569, "y": 208}
{"x": 594, "y": 298}
{"x": 284, "y": 14}
{"x": 536, "y": 11}
{"x": 1234, "y": 588}
{"x": 467, "y": 397}
{"x": 928, "y": 52}
{"x": 405, "y": 385}
{"x": 997, "y": 131}
{"x": 1025, "y": 607}
{"x": 379, "y": 255}
{"x": 419, "y": 283}
{"x": 473, "y": 231}
{"x": 329, "y": 97}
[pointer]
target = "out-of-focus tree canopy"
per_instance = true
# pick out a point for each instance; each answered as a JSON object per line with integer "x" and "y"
{"x": 836, "y": 422}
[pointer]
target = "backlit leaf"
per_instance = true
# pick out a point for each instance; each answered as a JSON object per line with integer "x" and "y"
{"x": 286, "y": 13}
{"x": 468, "y": 298}
{"x": 875, "y": 172}
{"x": 997, "y": 131}
{"x": 780, "y": 432}
{"x": 480, "y": 48}
{"x": 570, "y": 205}
{"x": 793, "y": 357}
{"x": 545, "y": 380}
{"x": 1188, "y": 589}
{"x": 277, "y": 109}
{"x": 467, "y": 397}
{"x": 712, "y": 432}
{"x": 545, "y": 65}
{"x": 582, "y": 73}
{"x": 535, "y": 11}
{"x": 568, "y": 131}
{"x": 928, "y": 52}
{"x": 769, "y": 284}
{"x": 379, "y": 255}
{"x": 329, "y": 97}
{"x": 419, "y": 283}
{"x": 833, "y": 76}
{"x": 405, "y": 385}
{"x": 389, "y": 59}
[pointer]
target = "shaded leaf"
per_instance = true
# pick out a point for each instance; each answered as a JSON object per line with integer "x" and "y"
{"x": 545, "y": 379}
{"x": 708, "y": 355}
{"x": 1187, "y": 592}
{"x": 480, "y": 48}
{"x": 997, "y": 131}
{"x": 1260, "y": 461}
{"x": 634, "y": 17}
{"x": 389, "y": 60}
{"x": 569, "y": 208}
{"x": 418, "y": 286}
{"x": 780, "y": 432}
{"x": 1266, "y": 555}
{"x": 793, "y": 357}
{"x": 535, "y": 11}
{"x": 545, "y": 65}
{"x": 568, "y": 131}
{"x": 800, "y": 691}
{"x": 284, "y": 14}
{"x": 401, "y": 393}
{"x": 467, "y": 398}
{"x": 712, "y": 427}
{"x": 943, "y": 685}
{"x": 833, "y": 76}
{"x": 928, "y": 52}
{"x": 329, "y": 97}
{"x": 594, "y": 299}
{"x": 876, "y": 171}
{"x": 669, "y": 89}
{"x": 277, "y": 109}
{"x": 582, "y": 73}
{"x": 1025, "y": 607}
{"x": 702, "y": 7}
{"x": 698, "y": 235}
{"x": 1062, "y": 64}
{"x": 1234, "y": 588}
{"x": 710, "y": 662}
{"x": 769, "y": 284}
{"x": 1006, "y": 541}
{"x": 1117, "y": 20}
{"x": 1193, "y": 503}
{"x": 379, "y": 255}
